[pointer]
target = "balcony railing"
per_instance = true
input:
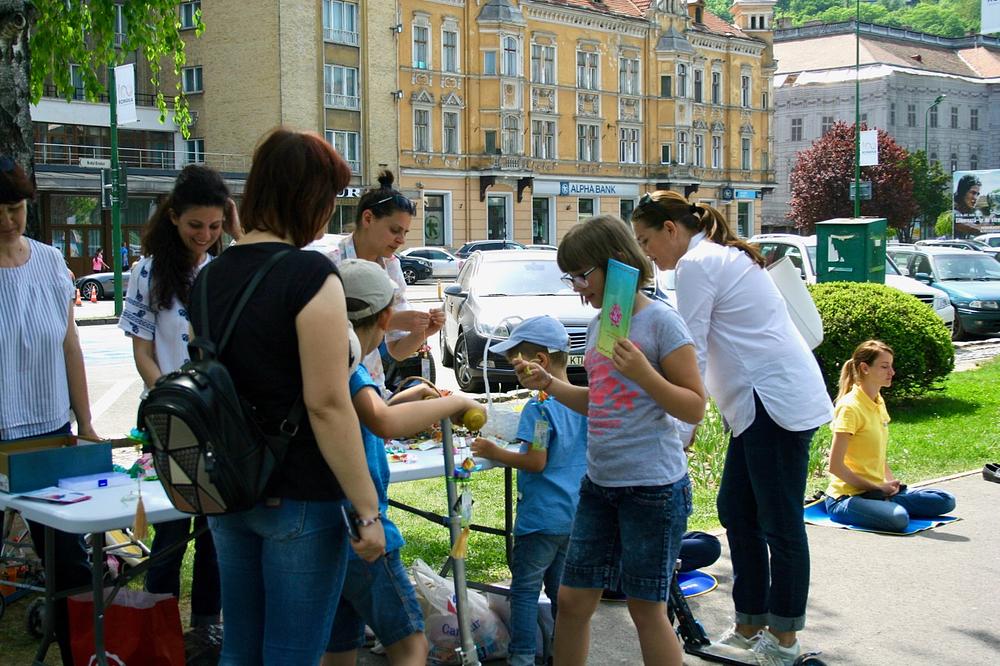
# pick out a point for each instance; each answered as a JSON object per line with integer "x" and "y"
{"x": 348, "y": 37}
{"x": 139, "y": 158}
{"x": 141, "y": 99}
{"x": 510, "y": 162}
{"x": 351, "y": 102}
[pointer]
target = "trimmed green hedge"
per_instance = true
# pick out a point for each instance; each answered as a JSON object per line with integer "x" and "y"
{"x": 853, "y": 312}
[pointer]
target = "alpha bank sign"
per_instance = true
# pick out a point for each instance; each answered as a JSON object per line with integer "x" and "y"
{"x": 573, "y": 188}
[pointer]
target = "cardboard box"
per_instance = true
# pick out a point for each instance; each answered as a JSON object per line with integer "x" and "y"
{"x": 30, "y": 464}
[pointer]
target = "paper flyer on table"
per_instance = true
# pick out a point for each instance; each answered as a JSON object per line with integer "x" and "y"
{"x": 55, "y": 495}
{"x": 620, "y": 284}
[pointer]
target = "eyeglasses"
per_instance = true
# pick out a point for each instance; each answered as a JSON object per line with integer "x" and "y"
{"x": 401, "y": 202}
{"x": 577, "y": 281}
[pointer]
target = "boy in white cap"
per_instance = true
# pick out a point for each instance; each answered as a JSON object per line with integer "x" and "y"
{"x": 380, "y": 594}
{"x": 550, "y": 464}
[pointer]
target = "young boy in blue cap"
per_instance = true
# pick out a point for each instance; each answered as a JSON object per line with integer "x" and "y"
{"x": 550, "y": 464}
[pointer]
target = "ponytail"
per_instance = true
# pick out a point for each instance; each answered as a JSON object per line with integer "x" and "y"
{"x": 656, "y": 208}
{"x": 850, "y": 372}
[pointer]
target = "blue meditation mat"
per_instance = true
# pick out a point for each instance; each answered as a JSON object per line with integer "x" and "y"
{"x": 815, "y": 514}
{"x": 696, "y": 583}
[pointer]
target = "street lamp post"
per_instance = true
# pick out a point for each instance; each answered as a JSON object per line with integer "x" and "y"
{"x": 937, "y": 100}
{"x": 857, "y": 110}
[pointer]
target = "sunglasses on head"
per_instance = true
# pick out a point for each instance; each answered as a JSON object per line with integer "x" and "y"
{"x": 399, "y": 200}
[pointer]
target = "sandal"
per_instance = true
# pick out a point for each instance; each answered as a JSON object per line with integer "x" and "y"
{"x": 991, "y": 472}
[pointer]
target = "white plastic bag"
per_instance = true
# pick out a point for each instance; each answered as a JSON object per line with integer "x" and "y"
{"x": 437, "y": 600}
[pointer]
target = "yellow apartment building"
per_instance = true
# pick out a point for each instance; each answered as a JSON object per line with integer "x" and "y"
{"x": 517, "y": 118}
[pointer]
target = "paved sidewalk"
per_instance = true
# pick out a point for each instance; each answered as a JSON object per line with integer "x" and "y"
{"x": 927, "y": 599}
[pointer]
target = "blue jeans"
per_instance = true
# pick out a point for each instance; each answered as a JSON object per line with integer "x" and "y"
{"x": 639, "y": 526}
{"x": 537, "y": 560}
{"x": 164, "y": 577}
{"x": 282, "y": 568}
{"x": 892, "y": 514}
{"x": 380, "y": 595}
{"x": 760, "y": 505}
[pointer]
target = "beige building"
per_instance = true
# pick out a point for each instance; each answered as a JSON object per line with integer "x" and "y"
{"x": 518, "y": 118}
{"x": 322, "y": 65}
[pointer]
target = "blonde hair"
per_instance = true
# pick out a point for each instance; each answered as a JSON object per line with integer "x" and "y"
{"x": 596, "y": 240}
{"x": 850, "y": 372}
{"x": 663, "y": 205}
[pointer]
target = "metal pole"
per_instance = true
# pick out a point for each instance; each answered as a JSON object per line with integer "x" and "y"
{"x": 468, "y": 652}
{"x": 116, "y": 213}
{"x": 857, "y": 111}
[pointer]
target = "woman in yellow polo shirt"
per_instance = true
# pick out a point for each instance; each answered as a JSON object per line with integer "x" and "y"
{"x": 863, "y": 490}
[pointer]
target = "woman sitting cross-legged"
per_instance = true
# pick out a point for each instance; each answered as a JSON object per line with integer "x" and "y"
{"x": 862, "y": 490}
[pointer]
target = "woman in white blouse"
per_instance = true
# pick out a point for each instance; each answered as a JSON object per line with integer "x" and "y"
{"x": 383, "y": 219}
{"x": 769, "y": 389}
{"x": 180, "y": 238}
{"x": 42, "y": 376}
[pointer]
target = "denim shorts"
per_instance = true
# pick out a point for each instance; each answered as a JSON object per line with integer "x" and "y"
{"x": 629, "y": 536}
{"x": 380, "y": 595}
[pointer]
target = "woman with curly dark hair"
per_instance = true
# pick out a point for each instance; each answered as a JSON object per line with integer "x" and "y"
{"x": 180, "y": 238}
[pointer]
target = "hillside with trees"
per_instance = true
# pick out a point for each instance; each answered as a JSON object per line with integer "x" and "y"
{"x": 947, "y": 18}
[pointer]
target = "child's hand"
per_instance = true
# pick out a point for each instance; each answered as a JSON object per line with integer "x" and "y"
{"x": 629, "y": 361}
{"x": 531, "y": 375}
{"x": 435, "y": 322}
{"x": 484, "y": 448}
{"x": 890, "y": 488}
{"x": 231, "y": 220}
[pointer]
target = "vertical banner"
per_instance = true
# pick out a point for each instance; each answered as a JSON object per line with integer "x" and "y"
{"x": 869, "y": 148}
{"x": 125, "y": 93}
{"x": 990, "y": 21}
{"x": 976, "y": 201}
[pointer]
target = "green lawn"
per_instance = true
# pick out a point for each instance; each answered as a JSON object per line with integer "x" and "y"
{"x": 952, "y": 430}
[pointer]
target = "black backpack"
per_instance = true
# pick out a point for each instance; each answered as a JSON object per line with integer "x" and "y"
{"x": 210, "y": 454}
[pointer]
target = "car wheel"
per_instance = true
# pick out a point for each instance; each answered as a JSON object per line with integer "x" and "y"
{"x": 409, "y": 275}
{"x": 447, "y": 360}
{"x": 957, "y": 330}
{"x": 89, "y": 286}
{"x": 463, "y": 368}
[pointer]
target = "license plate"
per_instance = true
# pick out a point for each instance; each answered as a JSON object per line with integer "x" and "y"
{"x": 576, "y": 360}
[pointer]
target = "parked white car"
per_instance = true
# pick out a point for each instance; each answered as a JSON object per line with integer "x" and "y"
{"x": 801, "y": 250}
{"x": 993, "y": 240}
{"x": 443, "y": 262}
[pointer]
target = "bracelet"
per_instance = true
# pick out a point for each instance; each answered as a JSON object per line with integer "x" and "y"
{"x": 367, "y": 522}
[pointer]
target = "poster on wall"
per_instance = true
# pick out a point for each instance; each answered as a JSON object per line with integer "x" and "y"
{"x": 976, "y": 201}
{"x": 990, "y": 17}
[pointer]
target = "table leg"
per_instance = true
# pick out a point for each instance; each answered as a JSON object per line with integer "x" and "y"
{"x": 508, "y": 512}
{"x": 49, "y": 621}
{"x": 97, "y": 541}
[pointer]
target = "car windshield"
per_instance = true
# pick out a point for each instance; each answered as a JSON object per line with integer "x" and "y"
{"x": 979, "y": 245}
{"x": 811, "y": 251}
{"x": 890, "y": 268}
{"x": 967, "y": 267}
{"x": 520, "y": 278}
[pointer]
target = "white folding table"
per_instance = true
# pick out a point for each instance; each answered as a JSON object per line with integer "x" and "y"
{"x": 107, "y": 509}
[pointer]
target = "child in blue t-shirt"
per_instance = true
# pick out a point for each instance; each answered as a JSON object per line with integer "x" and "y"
{"x": 550, "y": 464}
{"x": 380, "y": 594}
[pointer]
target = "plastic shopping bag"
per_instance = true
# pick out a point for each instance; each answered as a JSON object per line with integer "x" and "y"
{"x": 437, "y": 599}
{"x": 140, "y": 629}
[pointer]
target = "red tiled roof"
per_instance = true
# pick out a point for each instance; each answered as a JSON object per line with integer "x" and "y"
{"x": 714, "y": 24}
{"x": 631, "y": 8}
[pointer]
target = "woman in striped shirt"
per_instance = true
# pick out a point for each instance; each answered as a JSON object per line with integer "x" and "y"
{"x": 41, "y": 363}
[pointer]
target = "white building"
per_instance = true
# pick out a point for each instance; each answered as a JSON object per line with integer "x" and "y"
{"x": 901, "y": 74}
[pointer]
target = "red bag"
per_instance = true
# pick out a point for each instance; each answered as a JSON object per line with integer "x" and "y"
{"x": 140, "y": 629}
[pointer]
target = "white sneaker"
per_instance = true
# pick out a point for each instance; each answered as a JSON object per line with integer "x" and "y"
{"x": 735, "y": 639}
{"x": 769, "y": 652}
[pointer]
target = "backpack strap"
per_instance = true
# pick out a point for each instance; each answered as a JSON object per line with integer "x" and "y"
{"x": 290, "y": 426}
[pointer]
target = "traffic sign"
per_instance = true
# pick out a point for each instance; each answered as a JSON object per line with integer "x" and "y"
{"x": 95, "y": 163}
{"x": 866, "y": 190}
